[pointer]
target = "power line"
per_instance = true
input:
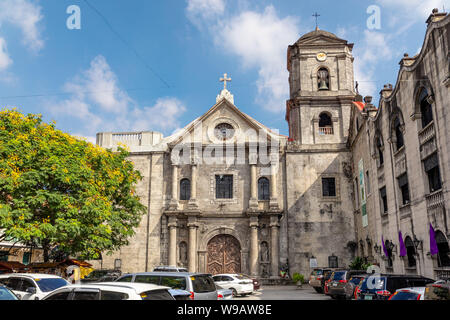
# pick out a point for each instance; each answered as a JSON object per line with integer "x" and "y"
{"x": 126, "y": 43}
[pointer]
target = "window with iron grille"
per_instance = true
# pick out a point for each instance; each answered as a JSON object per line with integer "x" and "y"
{"x": 185, "y": 189}
{"x": 224, "y": 187}
{"x": 384, "y": 200}
{"x": 263, "y": 189}
{"x": 329, "y": 187}
{"x": 425, "y": 108}
{"x": 431, "y": 165}
{"x": 404, "y": 188}
{"x": 398, "y": 134}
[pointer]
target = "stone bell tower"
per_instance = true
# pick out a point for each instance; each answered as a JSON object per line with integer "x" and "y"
{"x": 321, "y": 84}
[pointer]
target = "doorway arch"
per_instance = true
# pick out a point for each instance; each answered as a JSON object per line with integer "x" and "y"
{"x": 224, "y": 254}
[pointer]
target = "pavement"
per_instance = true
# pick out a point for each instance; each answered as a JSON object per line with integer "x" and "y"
{"x": 306, "y": 292}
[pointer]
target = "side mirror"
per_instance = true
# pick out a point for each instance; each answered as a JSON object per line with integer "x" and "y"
{"x": 31, "y": 290}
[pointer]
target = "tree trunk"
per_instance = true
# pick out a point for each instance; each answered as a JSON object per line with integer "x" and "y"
{"x": 46, "y": 249}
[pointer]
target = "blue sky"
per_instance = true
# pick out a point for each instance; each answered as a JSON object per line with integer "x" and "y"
{"x": 155, "y": 65}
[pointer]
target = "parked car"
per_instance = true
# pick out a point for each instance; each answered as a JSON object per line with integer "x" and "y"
{"x": 326, "y": 281}
{"x": 102, "y": 276}
{"x": 381, "y": 287}
{"x": 439, "y": 290}
{"x": 224, "y": 294}
{"x": 169, "y": 269}
{"x": 32, "y": 286}
{"x": 317, "y": 278}
{"x": 408, "y": 294}
{"x": 256, "y": 283}
{"x": 200, "y": 285}
{"x": 352, "y": 286}
{"x": 111, "y": 291}
{"x": 238, "y": 284}
{"x": 180, "y": 294}
{"x": 6, "y": 294}
{"x": 336, "y": 286}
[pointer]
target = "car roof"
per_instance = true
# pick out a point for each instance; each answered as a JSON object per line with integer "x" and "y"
{"x": 119, "y": 286}
{"x": 227, "y": 274}
{"x": 187, "y": 274}
{"x": 31, "y": 275}
{"x": 420, "y": 290}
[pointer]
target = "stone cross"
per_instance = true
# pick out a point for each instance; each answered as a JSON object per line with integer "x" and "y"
{"x": 316, "y": 15}
{"x": 224, "y": 80}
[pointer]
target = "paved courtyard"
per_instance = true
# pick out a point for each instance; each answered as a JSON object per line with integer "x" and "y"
{"x": 285, "y": 293}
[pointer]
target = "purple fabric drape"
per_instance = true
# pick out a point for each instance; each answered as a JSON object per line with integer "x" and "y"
{"x": 384, "y": 247}
{"x": 402, "y": 245}
{"x": 433, "y": 245}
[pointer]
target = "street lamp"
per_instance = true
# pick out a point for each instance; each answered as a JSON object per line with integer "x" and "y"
{"x": 418, "y": 243}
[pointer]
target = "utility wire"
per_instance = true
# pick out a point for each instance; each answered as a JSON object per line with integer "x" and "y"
{"x": 126, "y": 43}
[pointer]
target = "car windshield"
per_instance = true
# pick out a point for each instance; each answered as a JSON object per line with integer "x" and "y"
{"x": 405, "y": 295}
{"x": 373, "y": 283}
{"x": 50, "y": 284}
{"x": 174, "y": 282}
{"x": 96, "y": 274}
{"x": 203, "y": 284}
{"x": 355, "y": 280}
{"x": 157, "y": 295}
{"x": 241, "y": 278}
{"x": 339, "y": 275}
{"x": 317, "y": 273}
{"x": 5, "y": 294}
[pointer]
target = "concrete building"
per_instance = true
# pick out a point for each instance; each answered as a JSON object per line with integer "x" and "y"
{"x": 227, "y": 194}
{"x": 401, "y": 163}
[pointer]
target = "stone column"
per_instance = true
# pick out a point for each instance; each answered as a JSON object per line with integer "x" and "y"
{"x": 173, "y": 205}
{"x": 194, "y": 182}
{"x": 274, "y": 168}
{"x": 253, "y": 160}
{"x": 274, "y": 239}
{"x": 172, "y": 225}
{"x": 192, "y": 252}
{"x": 254, "y": 246}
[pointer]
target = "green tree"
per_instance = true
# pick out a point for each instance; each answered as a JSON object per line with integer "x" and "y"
{"x": 359, "y": 264}
{"x": 59, "y": 191}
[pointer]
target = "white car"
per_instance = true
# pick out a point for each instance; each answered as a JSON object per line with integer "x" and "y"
{"x": 32, "y": 286}
{"x": 239, "y": 285}
{"x": 415, "y": 293}
{"x": 111, "y": 291}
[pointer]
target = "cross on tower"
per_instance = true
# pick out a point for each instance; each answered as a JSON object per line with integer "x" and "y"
{"x": 316, "y": 15}
{"x": 225, "y": 79}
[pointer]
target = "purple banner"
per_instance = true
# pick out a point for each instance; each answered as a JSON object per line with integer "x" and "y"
{"x": 433, "y": 245}
{"x": 402, "y": 245}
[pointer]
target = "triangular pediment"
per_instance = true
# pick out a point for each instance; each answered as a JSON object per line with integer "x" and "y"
{"x": 203, "y": 129}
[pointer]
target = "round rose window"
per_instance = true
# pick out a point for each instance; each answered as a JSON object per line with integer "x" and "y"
{"x": 224, "y": 131}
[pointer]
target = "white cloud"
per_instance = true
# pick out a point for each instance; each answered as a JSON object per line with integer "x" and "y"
{"x": 409, "y": 12}
{"x": 5, "y": 60}
{"x": 163, "y": 115}
{"x": 198, "y": 10}
{"x": 25, "y": 15}
{"x": 97, "y": 101}
{"x": 259, "y": 39}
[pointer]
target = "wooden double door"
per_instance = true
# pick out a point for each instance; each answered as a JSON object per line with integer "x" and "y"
{"x": 224, "y": 255}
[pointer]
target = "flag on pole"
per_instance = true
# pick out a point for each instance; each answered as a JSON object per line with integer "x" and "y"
{"x": 433, "y": 245}
{"x": 402, "y": 245}
{"x": 360, "y": 105}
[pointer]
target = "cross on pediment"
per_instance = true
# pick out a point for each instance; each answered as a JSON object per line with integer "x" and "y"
{"x": 316, "y": 15}
{"x": 225, "y": 79}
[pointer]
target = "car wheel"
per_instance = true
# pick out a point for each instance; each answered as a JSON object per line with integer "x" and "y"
{"x": 234, "y": 292}
{"x": 318, "y": 290}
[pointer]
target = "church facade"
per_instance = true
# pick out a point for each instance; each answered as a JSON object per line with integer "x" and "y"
{"x": 228, "y": 195}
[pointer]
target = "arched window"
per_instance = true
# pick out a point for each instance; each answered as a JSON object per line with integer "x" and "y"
{"x": 425, "y": 108}
{"x": 380, "y": 150}
{"x": 185, "y": 189}
{"x": 399, "y": 142}
{"x": 389, "y": 247}
{"x": 263, "y": 189}
{"x": 410, "y": 252}
{"x": 325, "y": 124}
{"x": 443, "y": 250}
{"x": 323, "y": 79}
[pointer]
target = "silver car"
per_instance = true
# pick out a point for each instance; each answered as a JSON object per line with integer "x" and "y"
{"x": 200, "y": 285}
